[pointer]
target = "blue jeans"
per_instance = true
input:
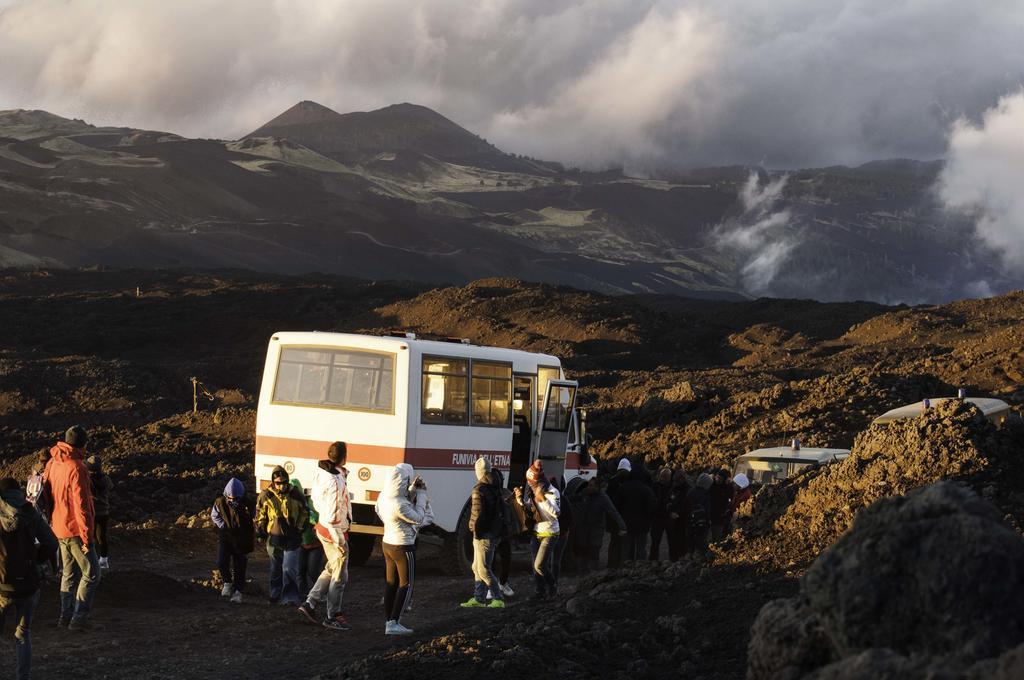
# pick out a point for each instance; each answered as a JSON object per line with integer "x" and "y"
{"x": 483, "y": 571}
{"x": 284, "y": 574}
{"x": 23, "y": 609}
{"x": 543, "y": 567}
{"x": 79, "y": 580}
{"x": 226, "y": 557}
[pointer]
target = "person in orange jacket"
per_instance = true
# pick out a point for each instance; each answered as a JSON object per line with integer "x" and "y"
{"x": 72, "y": 519}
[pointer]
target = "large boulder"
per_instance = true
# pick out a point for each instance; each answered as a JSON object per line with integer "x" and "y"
{"x": 928, "y": 580}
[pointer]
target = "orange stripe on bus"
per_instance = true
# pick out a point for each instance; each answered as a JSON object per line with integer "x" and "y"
{"x": 370, "y": 454}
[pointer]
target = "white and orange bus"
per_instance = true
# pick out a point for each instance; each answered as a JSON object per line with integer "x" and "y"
{"x": 437, "y": 405}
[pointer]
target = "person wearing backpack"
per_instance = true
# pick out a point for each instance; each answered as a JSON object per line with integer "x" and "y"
{"x": 21, "y": 528}
{"x": 698, "y": 503}
{"x": 513, "y": 524}
{"x": 486, "y": 523}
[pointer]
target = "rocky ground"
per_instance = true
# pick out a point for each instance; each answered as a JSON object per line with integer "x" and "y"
{"x": 691, "y": 383}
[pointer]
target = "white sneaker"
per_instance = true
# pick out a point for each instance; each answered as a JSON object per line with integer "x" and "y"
{"x": 236, "y": 598}
{"x": 506, "y": 590}
{"x": 490, "y": 594}
{"x": 395, "y": 628}
{"x": 104, "y": 563}
{"x": 227, "y": 591}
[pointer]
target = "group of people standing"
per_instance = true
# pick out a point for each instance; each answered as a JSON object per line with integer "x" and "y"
{"x": 59, "y": 520}
{"x": 686, "y": 512}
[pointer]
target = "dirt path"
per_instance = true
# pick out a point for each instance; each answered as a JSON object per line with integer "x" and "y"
{"x": 153, "y": 619}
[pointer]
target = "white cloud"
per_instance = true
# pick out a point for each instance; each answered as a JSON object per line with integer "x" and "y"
{"x": 638, "y": 82}
{"x": 984, "y": 176}
{"x": 761, "y": 238}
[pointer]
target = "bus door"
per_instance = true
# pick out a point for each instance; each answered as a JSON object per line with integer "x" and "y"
{"x": 523, "y": 417}
{"x": 555, "y": 426}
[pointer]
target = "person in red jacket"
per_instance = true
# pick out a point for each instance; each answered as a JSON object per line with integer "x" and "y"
{"x": 73, "y": 522}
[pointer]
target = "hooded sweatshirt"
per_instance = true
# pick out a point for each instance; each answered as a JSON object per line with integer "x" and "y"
{"x": 232, "y": 514}
{"x": 70, "y": 490}
{"x": 20, "y": 527}
{"x": 308, "y": 535}
{"x": 401, "y": 515}
{"x": 330, "y": 498}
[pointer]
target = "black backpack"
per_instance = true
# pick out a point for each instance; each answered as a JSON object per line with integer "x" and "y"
{"x": 699, "y": 518}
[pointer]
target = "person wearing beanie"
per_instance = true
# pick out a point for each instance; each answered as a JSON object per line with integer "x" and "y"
{"x": 281, "y": 517}
{"x": 311, "y": 557}
{"x": 543, "y": 503}
{"x": 73, "y": 520}
{"x": 485, "y": 524}
{"x": 698, "y": 503}
{"x": 330, "y": 498}
{"x": 741, "y": 494}
{"x": 617, "y": 541}
{"x": 232, "y": 514}
{"x": 636, "y": 503}
{"x": 102, "y": 486}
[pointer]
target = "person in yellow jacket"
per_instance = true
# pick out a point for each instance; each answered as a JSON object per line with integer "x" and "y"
{"x": 281, "y": 517}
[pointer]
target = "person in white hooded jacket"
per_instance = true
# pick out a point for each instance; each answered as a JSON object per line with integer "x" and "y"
{"x": 331, "y": 501}
{"x": 403, "y": 507}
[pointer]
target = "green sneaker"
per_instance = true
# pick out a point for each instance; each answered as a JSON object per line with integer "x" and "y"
{"x": 472, "y": 602}
{"x": 496, "y": 604}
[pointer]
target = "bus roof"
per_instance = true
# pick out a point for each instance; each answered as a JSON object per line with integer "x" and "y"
{"x": 809, "y": 454}
{"x": 989, "y": 407}
{"x": 387, "y": 342}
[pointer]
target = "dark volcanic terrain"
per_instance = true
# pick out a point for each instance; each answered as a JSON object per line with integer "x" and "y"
{"x": 405, "y": 193}
{"x": 671, "y": 379}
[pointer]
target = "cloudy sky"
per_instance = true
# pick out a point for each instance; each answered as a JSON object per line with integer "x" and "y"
{"x": 644, "y": 83}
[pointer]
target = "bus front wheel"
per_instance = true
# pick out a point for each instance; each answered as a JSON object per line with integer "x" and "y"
{"x": 457, "y": 551}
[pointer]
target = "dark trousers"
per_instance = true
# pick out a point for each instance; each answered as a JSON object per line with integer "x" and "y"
{"x": 232, "y": 566}
{"x": 311, "y": 563}
{"x": 676, "y": 540}
{"x": 615, "y": 549}
{"x": 504, "y": 555}
{"x": 659, "y": 527}
{"x": 543, "y": 555}
{"x": 556, "y": 562}
{"x": 699, "y": 542}
{"x": 102, "y": 534}
{"x": 636, "y": 544}
{"x": 399, "y": 576}
{"x": 588, "y": 558}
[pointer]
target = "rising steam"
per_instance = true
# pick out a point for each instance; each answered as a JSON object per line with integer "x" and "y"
{"x": 761, "y": 238}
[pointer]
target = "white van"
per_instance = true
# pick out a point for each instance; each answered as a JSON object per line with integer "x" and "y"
{"x": 437, "y": 405}
{"x": 996, "y": 410}
{"x": 773, "y": 464}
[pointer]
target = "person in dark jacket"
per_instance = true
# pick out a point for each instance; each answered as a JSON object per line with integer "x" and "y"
{"x": 616, "y": 544}
{"x": 311, "y": 557}
{"x": 698, "y": 503}
{"x": 594, "y": 513}
{"x": 485, "y": 524}
{"x": 719, "y": 504}
{"x": 102, "y": 486}
{"x": 678, "y": 516}
{"x": 232, "y": 514}
{"x": 503, "y": 553}
{"x": 281, "y": 517}
{"x": 660, "y": 518}
{"x": 26, "y": 542}
{"x": 566, "y": 522}
{"x": 635, "y": 502}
